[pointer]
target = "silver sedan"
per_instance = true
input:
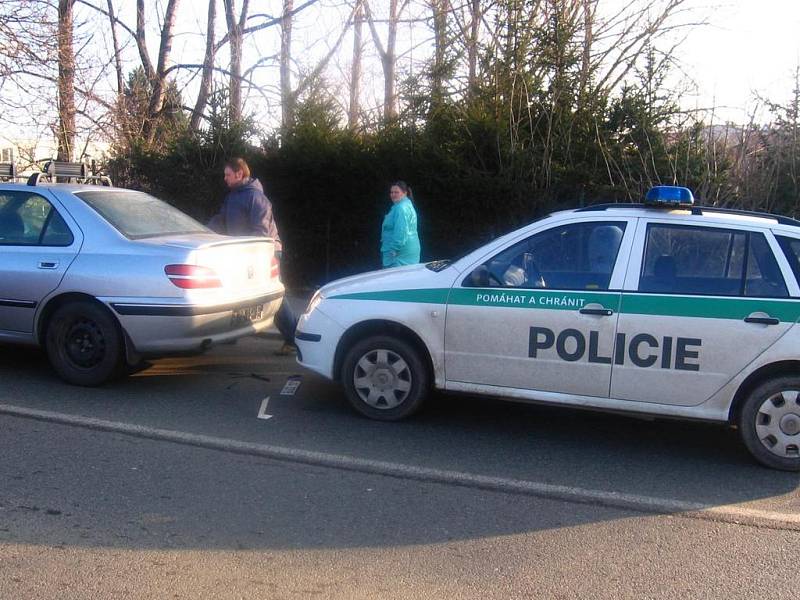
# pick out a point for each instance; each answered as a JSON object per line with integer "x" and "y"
{"x": 102, "y": 277}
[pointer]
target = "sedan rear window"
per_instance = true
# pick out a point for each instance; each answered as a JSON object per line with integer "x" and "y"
{"x": 137, "y": 215}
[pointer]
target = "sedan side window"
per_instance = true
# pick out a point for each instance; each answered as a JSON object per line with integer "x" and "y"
{"x": 12, "y": 227}
{"x": 578, "y": 256}
{"x": 30, "y": 220}
{"x": 681, "y": 259}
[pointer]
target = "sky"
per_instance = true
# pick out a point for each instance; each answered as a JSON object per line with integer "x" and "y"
{"x": 749, "y": 47}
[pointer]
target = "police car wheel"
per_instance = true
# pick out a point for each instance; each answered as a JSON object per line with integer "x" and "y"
{"x": 769, "y": 423}
{"x": 384, "y": 378}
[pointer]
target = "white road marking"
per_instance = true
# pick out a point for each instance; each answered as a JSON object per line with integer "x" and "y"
{"x": 262, "y": 412}
{"x": 729, "y": 513}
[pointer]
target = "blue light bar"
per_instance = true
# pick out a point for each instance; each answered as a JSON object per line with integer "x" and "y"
{"x": 669, "y": 195}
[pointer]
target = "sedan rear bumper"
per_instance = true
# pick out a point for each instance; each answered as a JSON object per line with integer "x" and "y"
{"x": 158, "y": 329}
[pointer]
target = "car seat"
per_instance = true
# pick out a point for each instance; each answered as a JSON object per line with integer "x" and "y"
{"x": 12, "y": 228}
{"x": 664, "y": 274}
{"x": 603, "y": 245}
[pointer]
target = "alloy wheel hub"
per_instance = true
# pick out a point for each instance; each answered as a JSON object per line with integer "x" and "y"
{"x": 383, "y": 379}
{"x": 790, "y": 424}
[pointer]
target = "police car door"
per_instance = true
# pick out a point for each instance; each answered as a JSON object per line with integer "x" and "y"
{"x": 700, "y": 303}
{"x": 541, "y": 313}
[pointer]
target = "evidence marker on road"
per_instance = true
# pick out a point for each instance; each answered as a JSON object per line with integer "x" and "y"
{"x": 291, "y": 385}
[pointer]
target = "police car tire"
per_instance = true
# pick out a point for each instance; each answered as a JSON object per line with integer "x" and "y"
{"x": 415, "y": 369}
{"x": 749, "y": 418}
{"x": 87, "y": 321}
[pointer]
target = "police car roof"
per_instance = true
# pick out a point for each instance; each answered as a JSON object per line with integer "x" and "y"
{"x": 696, "y": 210}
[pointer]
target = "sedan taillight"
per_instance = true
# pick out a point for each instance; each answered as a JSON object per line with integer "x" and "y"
{"x": 191, "y": 277}
{"x": 275, "y": 271}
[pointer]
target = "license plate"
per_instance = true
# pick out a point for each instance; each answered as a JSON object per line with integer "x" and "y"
{"x": 248, "y": 314}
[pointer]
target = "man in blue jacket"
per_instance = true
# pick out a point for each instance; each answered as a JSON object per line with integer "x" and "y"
{"x": 246, "y": 211}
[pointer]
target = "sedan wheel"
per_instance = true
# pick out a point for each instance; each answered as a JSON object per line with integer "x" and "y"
{"x": 384, "y": 378}
{"x": 770, "y": 423}
{"x": 84, "y": 344}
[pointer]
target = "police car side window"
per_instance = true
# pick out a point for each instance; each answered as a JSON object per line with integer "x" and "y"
{"x": 791, "y": 248}
{"x": 763, "y": 277}
{"x": 682, "y": 259}
{"x": 577, "y": 256}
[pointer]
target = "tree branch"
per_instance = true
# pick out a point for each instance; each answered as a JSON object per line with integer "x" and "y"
{"x": 272, "y": 21}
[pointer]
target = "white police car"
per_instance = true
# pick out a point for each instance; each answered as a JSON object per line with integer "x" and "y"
{"x": 662, "y": 308}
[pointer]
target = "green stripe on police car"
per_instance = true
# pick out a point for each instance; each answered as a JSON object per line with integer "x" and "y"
{"x": 717, "y": 307}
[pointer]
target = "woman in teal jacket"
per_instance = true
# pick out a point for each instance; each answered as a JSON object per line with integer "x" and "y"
{"x": 399, "y": 237}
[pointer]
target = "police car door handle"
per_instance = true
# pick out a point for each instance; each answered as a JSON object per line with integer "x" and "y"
{"x": 766, "y": 320}
{"x": 596, "y": 309}
{"x": 48, "y": 264}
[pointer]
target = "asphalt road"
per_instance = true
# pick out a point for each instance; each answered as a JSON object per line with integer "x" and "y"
{"x": 168, "y": 484}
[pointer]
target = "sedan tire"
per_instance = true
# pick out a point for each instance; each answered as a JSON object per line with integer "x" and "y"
{"x": 84, "y": 344}
{"x": 385, "y": 378}
{"x": 769, "y": 423}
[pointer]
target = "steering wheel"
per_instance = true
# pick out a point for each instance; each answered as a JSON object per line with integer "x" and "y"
{"x": 533, "y": 277}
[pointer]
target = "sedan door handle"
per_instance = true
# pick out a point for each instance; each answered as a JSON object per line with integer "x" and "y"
{"x": 48, "y": 264}
{"x": 596, "y": 309}
{"x": 767, "y": 320}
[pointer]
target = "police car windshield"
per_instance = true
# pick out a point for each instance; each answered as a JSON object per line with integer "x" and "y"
{"x": 492, "y": 238}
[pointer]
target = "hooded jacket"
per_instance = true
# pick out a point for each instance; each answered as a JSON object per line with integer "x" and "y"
{"x": 399, "y": 237}
{"x": 246, "y": 211}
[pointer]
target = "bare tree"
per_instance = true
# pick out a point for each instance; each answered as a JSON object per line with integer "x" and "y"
{"x": 117, "y": 56}
{"x": 141, "y": 41}
{"x": 236, "y": 31}
{"x": 156, "y": 75}
{"x": 28, "y": 37}
{"x": 208, "y": 68}
{"x": 627, "y": 35}
{"x": 387, "y": 54}
{"x": 476, "y": 16}
{"x": 287, "y": 96}
{"x": 160, "y": 80}
{"x": 589, "y": 8}
{"x": 468, "y": 17}
{"x": 65, "y": 134}
{"x": 354, "y": 108}
{"x": 439, "y": 11}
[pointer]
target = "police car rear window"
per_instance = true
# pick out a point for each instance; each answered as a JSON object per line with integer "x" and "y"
{"x": 683, "y": 259}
